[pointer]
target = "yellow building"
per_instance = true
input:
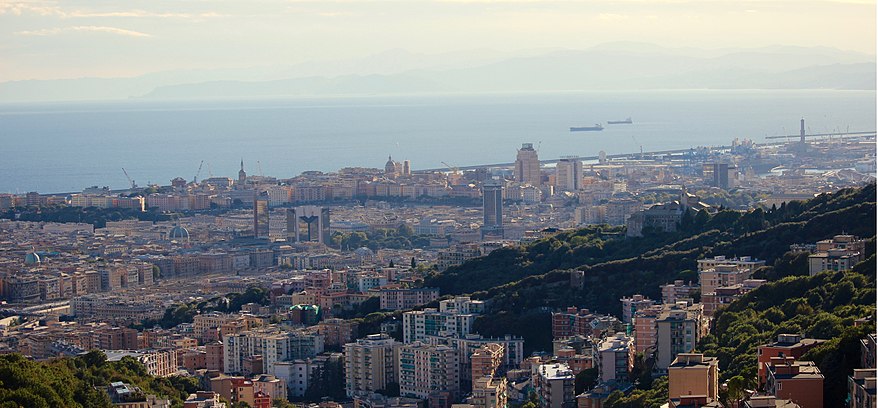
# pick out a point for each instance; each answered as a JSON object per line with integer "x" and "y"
{"x": 693, "y": 374}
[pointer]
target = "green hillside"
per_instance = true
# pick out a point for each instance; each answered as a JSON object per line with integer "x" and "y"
{"x": 80, "y": 381}
{"x": 824, "y": 306}
{"x": 762, "y": 234}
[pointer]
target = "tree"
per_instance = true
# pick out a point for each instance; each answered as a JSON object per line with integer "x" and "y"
{"x": 737, "y": 385}
{"x": 585, "y": 380}
{"x": 404, "y": 230}
{"x": 414, "y": 263}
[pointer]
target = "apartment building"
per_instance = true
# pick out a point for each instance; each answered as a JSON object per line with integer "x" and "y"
{"x": 429, "y": 372}
{"x": 370, "y": 364}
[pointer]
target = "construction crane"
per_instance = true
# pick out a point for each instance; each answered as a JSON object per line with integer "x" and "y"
{"x": 133, "y": 185}
{"x": 454, "y": 169}
{"x": 195, "y": 179}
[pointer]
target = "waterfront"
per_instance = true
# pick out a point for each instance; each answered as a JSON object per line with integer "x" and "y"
{"x": 66, "y": 147}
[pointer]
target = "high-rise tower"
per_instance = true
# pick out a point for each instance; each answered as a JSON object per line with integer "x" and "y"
{"x": 492, "y": 206}
{"x": 309, "y": 224}
{"x": 568, "y": 174}
{"x": 260, "y": 216}
{"x": 527, "y": 165}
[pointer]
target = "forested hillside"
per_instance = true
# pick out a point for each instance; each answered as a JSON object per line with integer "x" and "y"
{"x": 762, "y": 234}
{"x": 824, "y": 306}
{"x": 79, "y": 382}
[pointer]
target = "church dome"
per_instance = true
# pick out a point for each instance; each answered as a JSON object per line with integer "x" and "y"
{"x": 178, "y": 233}
{"x": 390, "y": 166}
{"x": 364, "y": 252}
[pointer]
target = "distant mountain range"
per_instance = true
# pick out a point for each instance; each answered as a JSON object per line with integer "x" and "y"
{"x": 605, "y": 67}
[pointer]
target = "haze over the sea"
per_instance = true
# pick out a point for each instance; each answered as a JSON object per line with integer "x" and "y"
{"x": 64, "y": 147}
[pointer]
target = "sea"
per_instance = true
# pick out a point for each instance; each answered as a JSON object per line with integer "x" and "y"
{"x": 65, "y": 147}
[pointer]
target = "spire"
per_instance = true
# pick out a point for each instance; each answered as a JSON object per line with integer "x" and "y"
{"x": 242, "y": 164}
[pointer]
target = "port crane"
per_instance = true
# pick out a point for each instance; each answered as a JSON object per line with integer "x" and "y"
{"x": 454, "y": 169}
{"x": 133, "y": 185}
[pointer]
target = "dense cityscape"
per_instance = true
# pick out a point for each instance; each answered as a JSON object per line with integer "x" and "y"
{"x": 735, "y": 276}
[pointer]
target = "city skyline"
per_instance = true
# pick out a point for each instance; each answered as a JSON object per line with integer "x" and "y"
{"x": 438, "y": 203}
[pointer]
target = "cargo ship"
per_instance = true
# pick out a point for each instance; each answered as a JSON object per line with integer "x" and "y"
{"x": 596, "y": 127}
{"x": 620, "y": 122}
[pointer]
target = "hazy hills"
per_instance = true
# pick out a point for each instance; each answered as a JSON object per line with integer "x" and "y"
{"x": 608, "y": 66}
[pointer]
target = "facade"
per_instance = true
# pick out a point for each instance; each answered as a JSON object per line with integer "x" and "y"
{"x": 747, "y": 262}
{"x": 789, "y": 345}
{"x": 337, "y": 332}
{"x": 833, "y": 260}
{"x": 487, "y": 360}
{"x": 429, "y": 372}
{"x": 632, "y": 305}
{"x": 614, "y": 358}
{"x": 308, "y": 224}
{"x": 402, "y": 299}
{"x": 723, "y": 295}
{"x": 489, "y": 392}
{"x": 457, "y": 255}
{"x": 678, "y": 329}
{"x": 273, "y": 346}
{"x": 674, "y": 292}
{"x": 512, "y": 351}
{"x": 160, "y": 363}
{"x": 645, "y": 330}
{"x": 722, "y": 275}
{"x": 568, "y": 174}
{"x": 454, "y": 318}
{"x": 868, "y": 352}
{"x": 861, "y": 388}
{"x": 572, "y": 322}
{"x": 492, "y": 207}
{"x": 840, "y": 253}
{"x": 722, "y": 175}
{"x": 799, "y": 381}
{"x": 693, "y": 374}
{"x": 234, "y": 389}
{"x": 554, "y": 385}
{"x": 527, "y": 166}
{"x": 204, "y": 399}
{"x": 660, "y": 217}
{"x": 370, "y": 364}
{"x": 462, "y": 304}
{"x": 261, "y": 216}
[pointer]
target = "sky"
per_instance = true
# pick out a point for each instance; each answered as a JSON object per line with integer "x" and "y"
{"x": 47, "y": 39}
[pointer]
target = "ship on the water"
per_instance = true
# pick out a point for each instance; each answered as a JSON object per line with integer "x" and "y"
{"x": 620, "y": 122}
{"x": 596, "y": 127}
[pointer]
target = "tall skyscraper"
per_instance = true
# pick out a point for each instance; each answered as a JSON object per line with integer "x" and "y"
{"x": 568, "y": 174}
{"x": 527, "y": 165}
{"x": 314, "y": 220}
{"x": 492, "y": 206}
{"x": 260, "y": 216}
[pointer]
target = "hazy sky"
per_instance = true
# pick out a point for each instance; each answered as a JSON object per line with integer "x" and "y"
{"x": 76, "y": 38}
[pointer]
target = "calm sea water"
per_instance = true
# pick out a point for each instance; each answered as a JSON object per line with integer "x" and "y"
{"x": 64, "y": 147}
